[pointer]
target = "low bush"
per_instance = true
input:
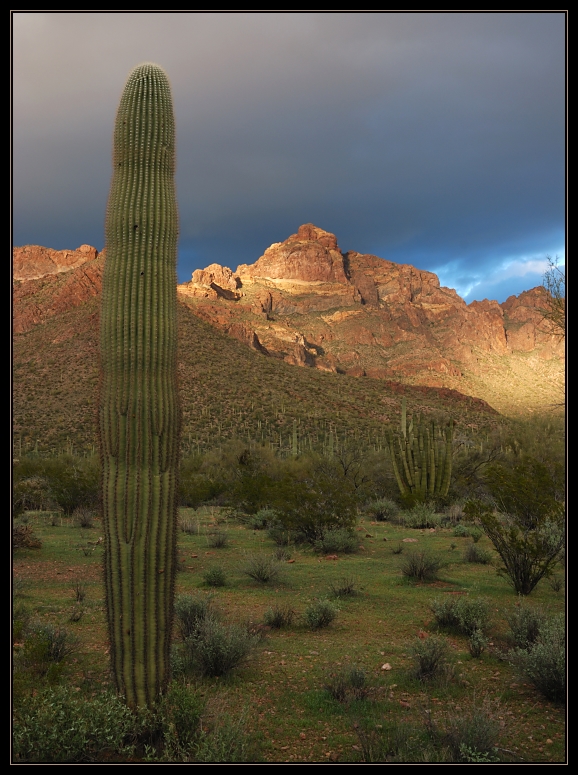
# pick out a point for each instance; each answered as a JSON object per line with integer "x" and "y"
{"x": 84, "y": 516}
{"x": 58, "y": 725}
{"x": 279, "y": 534}
{"x": 472, "y": 736}
{"x": 320, "y": 614}
{"x": 190, "y": 612}
{"x": 525, "y": 622}
{"x": 218, "y": 648}
{"x": 475, "y": 553}
{"x": 340, "y": 541}
{"x": 45, "y": 646}
{"x": 347, "y": 684}
{"x": 382, "y": 509}
{"x": 263, "y": 519}
{"x": 190, "y": 527}
{"x": 344, "y": 587}
{"x": 23, "y": 537}
{"x": 431, "y": 658}
{"x": 217, "y": 539}
{"x": 421, "y": 516}
{"x": 464, "y": 614}
{"x": 421, "y": 566}
{"x": 262, "y": 568}
{"x": 544, "y": 661}
{"x": 279, "y": 617}
{"x": 215, "y": 577}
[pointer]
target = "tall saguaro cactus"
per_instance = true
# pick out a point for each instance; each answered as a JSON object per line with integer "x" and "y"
{"x": 139, "y": 417}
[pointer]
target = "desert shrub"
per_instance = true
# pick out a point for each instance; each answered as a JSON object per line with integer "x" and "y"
{"x": 68, "y": 481}
{"x": 421, "y": 516}
{"x": 464, "y": 614}
{"x": 282, "y": 554}
{"x": 544, "y": 661}
{"x": 472, "y": 736}
{"x": 444, "y": 611}
{"x": 339, "y": 541}
{"x": 190, "y": 526}
{"x": 46, "y": 644}
{"x": 525, "y": 622}
{"x": 461, "y": 531}
{"x": 279, "y": 617}
{"x": 228, "y": 741}
{"x": 215, "y": 577}
{"x": 179, "y": 715}
{"x": 84, "y": 516}
{"x": 382, "y": 509}
{"x": 320, "y": 613}
{"x": 421, "y": 566}
{"x": 218, "y": 648}
{"x": 217, "y": 539}
{"x": 263, "y": 519}
{"x": 344, "y": 587}
{"x": 398, "y": 548}
{"x": 262, "y": 568}
{"x": 319, "y": 501}
{"x": 23, "y": 537}
{"x": 529, "y": 531}
{"x": 476, "y": 534}
{"x": 431, "y": 658}
{"x": 58, "y": 725}
{"x": 475, "y": 553}
{"x": 31, "y": 494}
{"x": 477, "y": 643}
{"x": 190, "y": 612}
{"x": 279, "y": 534}
{"x": 346, "y": 684}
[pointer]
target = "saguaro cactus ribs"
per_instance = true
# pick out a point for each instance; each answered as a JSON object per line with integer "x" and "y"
{"x": 139, "y": 411}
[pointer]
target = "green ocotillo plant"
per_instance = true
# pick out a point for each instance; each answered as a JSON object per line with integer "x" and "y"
{"x": 139, "y": 417}
{"x": 422, "y": 457}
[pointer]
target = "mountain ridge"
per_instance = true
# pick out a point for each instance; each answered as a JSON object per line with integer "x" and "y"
{"x": 309, "y": 304}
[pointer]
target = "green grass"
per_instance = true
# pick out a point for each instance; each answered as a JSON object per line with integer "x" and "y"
{"x": 282, "y": 681}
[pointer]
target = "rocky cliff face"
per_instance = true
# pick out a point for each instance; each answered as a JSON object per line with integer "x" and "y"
{"x": 306, "y": 302}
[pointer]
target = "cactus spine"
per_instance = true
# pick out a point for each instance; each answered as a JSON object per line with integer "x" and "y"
{"x": 422, "y": 459}
{"x": 139, "y": 416}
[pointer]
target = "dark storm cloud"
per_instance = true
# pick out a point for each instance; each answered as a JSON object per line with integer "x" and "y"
{"x": 430, "y": 139}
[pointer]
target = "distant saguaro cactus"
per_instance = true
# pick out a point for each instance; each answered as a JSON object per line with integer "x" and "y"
{"x": 139, "y": 417}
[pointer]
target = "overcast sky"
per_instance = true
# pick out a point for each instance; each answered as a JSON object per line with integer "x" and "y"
{"x": 431, "y": 139}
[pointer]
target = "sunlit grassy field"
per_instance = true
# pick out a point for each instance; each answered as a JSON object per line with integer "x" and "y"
{"x": 280, "y": 690}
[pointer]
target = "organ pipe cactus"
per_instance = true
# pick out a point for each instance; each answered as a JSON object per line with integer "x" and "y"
{"x": 422, "y": 457}
{"x": 139, "y": 417}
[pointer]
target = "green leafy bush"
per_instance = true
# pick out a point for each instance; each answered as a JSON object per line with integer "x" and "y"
{"x": 58, "y": 725}
{"x": 320, "y": 614}
{"x": 544, "y": 661}
{"x": 421, "y": 516}
{"x": 464, "y": 614}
